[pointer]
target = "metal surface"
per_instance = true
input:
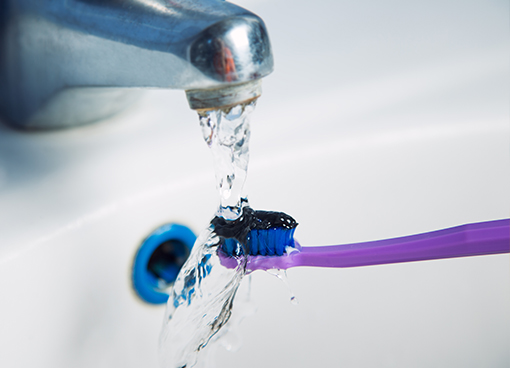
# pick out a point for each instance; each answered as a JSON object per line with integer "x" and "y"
{"x": 56, "y": 54}
{"x": 208, "y": 99}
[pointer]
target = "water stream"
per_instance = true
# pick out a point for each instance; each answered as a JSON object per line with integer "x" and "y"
{"x": 202, "y": 297}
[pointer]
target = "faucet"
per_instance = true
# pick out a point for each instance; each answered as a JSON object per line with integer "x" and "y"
{"x": 70, "y": 62}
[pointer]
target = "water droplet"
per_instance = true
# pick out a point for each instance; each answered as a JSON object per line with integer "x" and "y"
{"x": 282, "y": 275}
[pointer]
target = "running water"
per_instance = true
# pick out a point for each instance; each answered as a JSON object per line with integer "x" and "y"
{"x": 201, "y": 300}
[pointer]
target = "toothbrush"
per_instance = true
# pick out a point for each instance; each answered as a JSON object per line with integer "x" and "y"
{"x": 483, "y": 238}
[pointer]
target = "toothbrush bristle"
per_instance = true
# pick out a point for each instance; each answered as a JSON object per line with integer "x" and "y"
{"x": 255, "y": 233}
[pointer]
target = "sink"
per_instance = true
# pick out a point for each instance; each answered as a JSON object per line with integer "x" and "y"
{"x": 379, "y": 121}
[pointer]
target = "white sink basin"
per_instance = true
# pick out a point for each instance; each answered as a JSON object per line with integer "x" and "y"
{"x": 380, "y": 120}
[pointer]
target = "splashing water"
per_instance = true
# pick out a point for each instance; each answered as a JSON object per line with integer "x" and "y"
{"x": 201, "y": 300}
{"x": 227, "y": 134}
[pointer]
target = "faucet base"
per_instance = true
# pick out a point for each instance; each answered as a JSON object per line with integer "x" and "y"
{"x": 79, "y": 106}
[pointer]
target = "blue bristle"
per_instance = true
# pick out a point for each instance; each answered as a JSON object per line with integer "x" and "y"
{"x": 229, "y": 246}
{"x": 262, "y": 242}
{"x": 263, "y": 246}
{"x": 270, "y": 242}
{"x": 288, "y": 237}
{"x": 276, "y": 242}
{"x": 279, "y": 241}
{"x": 251, "y": 240}
{"x": 259, "y": 246}
{"x": 291, "y": 238}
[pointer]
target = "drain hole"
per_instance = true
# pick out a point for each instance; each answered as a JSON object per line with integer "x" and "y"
{"x": 158, "y": 261}
{"x": 167, "y": 260}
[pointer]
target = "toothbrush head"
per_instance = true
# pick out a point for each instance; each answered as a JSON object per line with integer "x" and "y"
{"x": 264, "y": 233}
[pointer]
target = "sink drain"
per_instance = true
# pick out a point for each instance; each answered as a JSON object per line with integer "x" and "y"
{"x": 159, "y": 260}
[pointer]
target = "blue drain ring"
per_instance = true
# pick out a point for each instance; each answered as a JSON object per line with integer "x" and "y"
{"x": 145, "y": 283}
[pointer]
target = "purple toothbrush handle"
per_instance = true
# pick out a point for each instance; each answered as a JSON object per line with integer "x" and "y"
{"x": 476, "y": 239}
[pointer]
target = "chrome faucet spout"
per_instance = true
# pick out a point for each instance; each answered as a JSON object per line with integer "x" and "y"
{"x": 71, "y": 62}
